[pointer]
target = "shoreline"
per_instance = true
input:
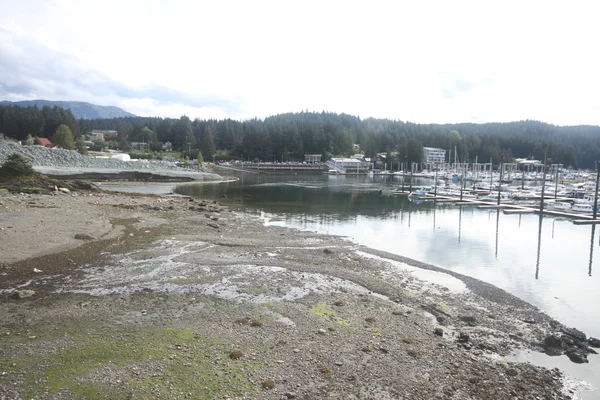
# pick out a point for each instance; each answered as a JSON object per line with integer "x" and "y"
{"x": 313, "y": 314}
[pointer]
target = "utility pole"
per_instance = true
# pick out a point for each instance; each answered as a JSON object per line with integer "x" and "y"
{"x": 500, "y": 179}
{"x": 491, "y": 175}
{"x": 544, "y": 180}
{"x": 435, "y": 183}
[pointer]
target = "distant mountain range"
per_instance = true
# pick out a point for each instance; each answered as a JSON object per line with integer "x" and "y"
{"x": 79, "y": 109}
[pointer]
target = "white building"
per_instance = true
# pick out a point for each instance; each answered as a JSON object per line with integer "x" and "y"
{"x": 350, "y": 165}
{"x": 433, "y": 155}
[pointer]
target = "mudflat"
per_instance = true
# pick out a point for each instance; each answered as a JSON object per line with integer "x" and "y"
{"x": 116, "y": 296}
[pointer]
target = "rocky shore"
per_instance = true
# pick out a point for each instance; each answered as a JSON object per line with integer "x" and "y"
{"x": 69, "y": 163}
{"x": 119, "y": 296}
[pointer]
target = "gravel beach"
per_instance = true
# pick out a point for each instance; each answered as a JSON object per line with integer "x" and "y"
{"x": 118, "y": 296}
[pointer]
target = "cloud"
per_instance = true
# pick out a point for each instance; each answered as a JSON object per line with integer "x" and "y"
{"x": 424, "y": 62}
{"x": 32, "y": 70}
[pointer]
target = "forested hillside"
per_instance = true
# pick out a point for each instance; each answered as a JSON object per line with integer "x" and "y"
{"x": 290, "y": 136}
{"x": 80, "y": 109}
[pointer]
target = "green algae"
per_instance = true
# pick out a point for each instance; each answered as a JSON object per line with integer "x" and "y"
{"x": 186, "y": 363}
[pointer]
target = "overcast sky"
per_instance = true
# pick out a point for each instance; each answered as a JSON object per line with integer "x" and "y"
{"x": 420, "y": 61}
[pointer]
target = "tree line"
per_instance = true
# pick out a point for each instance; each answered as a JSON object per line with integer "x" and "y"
{"x": 289, "y": 136}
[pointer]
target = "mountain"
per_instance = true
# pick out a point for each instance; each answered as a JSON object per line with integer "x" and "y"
{"x": 79, "y": 109}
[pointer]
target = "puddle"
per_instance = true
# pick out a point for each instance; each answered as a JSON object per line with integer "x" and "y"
{"x": 453, "y": 284}
{"x": 577, "y": 376}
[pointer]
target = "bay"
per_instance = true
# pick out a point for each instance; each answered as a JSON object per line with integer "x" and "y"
{"x": 549, "y": 263}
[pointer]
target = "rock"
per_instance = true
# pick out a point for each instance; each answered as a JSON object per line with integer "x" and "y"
{"x": 567, "y": 339}
{"x": 64, "y": 190}
{"x": 328, "y": 251}
{"x": 594, "y": 342}
{"x": 321, "y": 331}
{"x": 22, "y": 294}
{"x": 339, "y": 363}
{"x": 83, "y": 236}
{"x": 553, "y": 341}
{"x": 577, "y": 334}
{"x": 213, "y": 225}
{"x": 37, "y": 271}
{"x": 512, "y": 372}
{"x": 236, "y": 354}
{"x": 463, "y": 337}
{"x": 290, "y": 395}
{"x": 438, "y": 331}
{"x": 469, "y": 319}
{"x": 577, "y": 356}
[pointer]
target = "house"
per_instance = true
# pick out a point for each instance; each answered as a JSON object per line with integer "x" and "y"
{"x": 167, "y": 146}
{"x": 101, "y": 134}
{"x": 312, "y": 158}
{"x": 140, "y": 146}
{"x": 45, "y": 142}
{"x": 349, "y": 165}
{"x": 95, "y": 136}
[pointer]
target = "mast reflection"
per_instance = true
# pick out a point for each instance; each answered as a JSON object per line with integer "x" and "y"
{"x": 539, "y": 246}
{"x": 459, "y": 221}
{"x": 497, "y": 225}
{"x": 592, "y": 249}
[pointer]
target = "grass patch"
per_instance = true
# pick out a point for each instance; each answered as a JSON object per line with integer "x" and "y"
{"x": 323, "y": 311}
{"x": 187, "y": 363}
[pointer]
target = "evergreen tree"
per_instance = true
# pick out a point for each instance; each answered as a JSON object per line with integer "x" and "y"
{"x": 63, "y": 137}
{"x": 80, "y": 146}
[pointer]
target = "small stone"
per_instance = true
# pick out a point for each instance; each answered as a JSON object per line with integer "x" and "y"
{"x": 512, "y": 372}
{"x": 339, "y": 363}
{"x": 83, "y": 236}
{"x": 290, "y": 395}
{"x": 463, "y": 337}
{"x": 213, "y": 225}
{"x": 438, "y": 331}
{"x": 296, "y": 350}
{"x": 469, "y": 319}
{"x": 22, "y": 294}
{"x": 328, "y": 251}
{"x": 321, "y": 331}
{"x": 268, "y": 384}
{"x": 236, "y": 354}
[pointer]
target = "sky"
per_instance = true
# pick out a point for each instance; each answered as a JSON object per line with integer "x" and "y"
{"x": 419, "y": 61}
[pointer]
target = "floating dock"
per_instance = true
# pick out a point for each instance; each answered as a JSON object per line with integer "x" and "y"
{"x": 578, "y": 219}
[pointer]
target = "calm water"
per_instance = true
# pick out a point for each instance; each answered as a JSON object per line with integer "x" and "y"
{"x": 551, "y": 265}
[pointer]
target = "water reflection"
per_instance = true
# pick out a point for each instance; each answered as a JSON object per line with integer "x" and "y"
{"x": 497, "y": 227}
{"x": 592, "y": 249}
{"x": 539, "y": 246}
{"x": 459, "y": 221}
{"x": 366, "y": 211}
